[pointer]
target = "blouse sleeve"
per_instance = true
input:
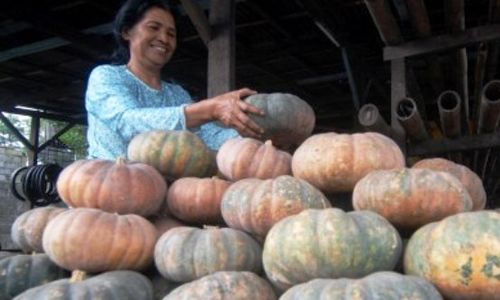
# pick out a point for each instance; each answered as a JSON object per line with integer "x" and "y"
{"x": 114, "y": 102}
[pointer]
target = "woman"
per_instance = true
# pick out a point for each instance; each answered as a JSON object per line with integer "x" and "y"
{"x": 129, "y": 97}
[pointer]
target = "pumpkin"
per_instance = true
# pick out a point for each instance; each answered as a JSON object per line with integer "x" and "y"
{"x": 224, "y": 286}
{"x": 411, "y": 198}
{"x": 467, "y": 177}
{"x": 119, "y": 186}
{"x": 197, "y": 200}
{"x": 380, "y": 285}
{"x": 255, "y": 205}
{"x": 460, "y": 255}
{"x": 115, "y": 285}
{"x": 164, "y": 223}
{"x": 27, "y": 229}
{"x": 329, "y": 243}
{"x": 161, "y": 286}
{"x": 95, "y": 241}
{"x": 21, "y": 272}
{"x": 240, "y": 158}
{"x": 186, "y": 253}
{"x": 336, "y": 162}
{"x": 288, "y": 120}
{"x": 174, "y": 154}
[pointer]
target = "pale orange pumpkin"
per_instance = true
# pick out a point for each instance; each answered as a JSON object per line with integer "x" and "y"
{"x": 240, "y": 158}
{"x": 92, "y": 240}
{"x": 119, "y": 186}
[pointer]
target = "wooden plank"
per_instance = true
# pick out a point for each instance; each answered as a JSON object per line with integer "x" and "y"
{"x": 353, "y": 82}
{"x": 221, "y": 49}
{"x": 15, "y": 131}
{"x": 465, "y": 143}
{"x": 200, "y": 21}
{"x": 443, "y": 42}
{"x": 398, "y": 92}
{"x": 384, "y": 20}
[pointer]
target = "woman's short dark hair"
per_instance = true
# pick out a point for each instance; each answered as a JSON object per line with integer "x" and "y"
{"x": 131, "y": 12}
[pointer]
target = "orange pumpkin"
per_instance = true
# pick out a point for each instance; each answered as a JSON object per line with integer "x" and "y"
{"x": 336, "y": 162}
{"x": 469, "y": 179}
{"x": 92, "y": 240}
{"x": 119, "y": 186}
{"x": 246, "y": 157}
{"x": 197, "y": 200}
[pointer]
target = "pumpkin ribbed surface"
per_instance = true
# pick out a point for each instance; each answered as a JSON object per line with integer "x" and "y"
{"x": 410, "y": 198}
{"x": 119, "y": 186}
{"x": 240, "y": 158}
{"x": 183, "y": 254}
{"x": 21, "y": 272}
{"x": 115, "y": 285}
{"x": 380, "y": 285}
{"x": 174, "y": 154}
{"x": 27, "y": 229}
{"x": 224, "y": 286}
{"x": 469, "y": 179}
{"x": 95, "y": 241}
{"x": 329, "y": 243}
{"x": 336, "y": 162}
{"x": 460, "y": 255}
{"x": 197, "y": 200}
{"x": 288, "y": 120}
{"x": 255, "y": 205}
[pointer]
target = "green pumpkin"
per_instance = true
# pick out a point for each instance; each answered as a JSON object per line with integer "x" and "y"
{"x": 174, "y": 154}
{"x": 114, "y": 285}
{"x": 460, "y": 255}
{"x": 288, "y": 120}
{"x": 184, "y": 254}
{"x": 225, "y": 286}
{"x": 329, "y": 243}
{"x": 21, "y": 272}
{"x": 380, "y": 285}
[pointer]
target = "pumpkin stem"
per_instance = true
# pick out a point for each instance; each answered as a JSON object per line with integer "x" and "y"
{"x": 268, "y": 143}
{"x": 121, "y": 160}
{"x": 77, "y": 276}
{"x": 210, "y": 227}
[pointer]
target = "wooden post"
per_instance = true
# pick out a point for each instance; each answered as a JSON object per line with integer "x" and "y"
{"x": 398, "y": 92}
{"x": 34, "y": 139}
{"x": 221, "y": 48}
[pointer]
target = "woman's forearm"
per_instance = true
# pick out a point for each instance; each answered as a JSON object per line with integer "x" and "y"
{"x": 199, "y": 113}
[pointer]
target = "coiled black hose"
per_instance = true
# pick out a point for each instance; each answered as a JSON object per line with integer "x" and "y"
{"x": 36, "y": 184}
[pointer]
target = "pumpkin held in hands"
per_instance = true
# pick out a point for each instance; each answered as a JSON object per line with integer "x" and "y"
{"x": 288, "y": 120}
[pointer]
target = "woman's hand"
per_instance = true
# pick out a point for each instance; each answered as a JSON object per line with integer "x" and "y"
{"x": 231, "y": 110}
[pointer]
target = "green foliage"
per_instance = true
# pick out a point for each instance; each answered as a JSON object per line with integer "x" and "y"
{"x": 76, "y": 139}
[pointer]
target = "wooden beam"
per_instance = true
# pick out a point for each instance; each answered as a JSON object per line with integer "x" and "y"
{"x": 385, "y": 22}
{"x": 464, "y": 143}
{"x": 443, "y": 42}
{"x": 55, "y": 136}
{"x": 16, "y": 132}
{"x": 199, "y": 20}
{"x": 78, "y": 118}
{"x": 353, "y": 80}
{"x": 221, "y": 49}
{"x": 398, "y": 92}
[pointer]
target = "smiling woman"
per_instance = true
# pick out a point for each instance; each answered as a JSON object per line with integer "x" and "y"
{"x": 128, "y": 96}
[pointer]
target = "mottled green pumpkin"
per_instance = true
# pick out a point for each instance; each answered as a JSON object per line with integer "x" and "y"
{"x": 460, "y": 255}
{"x": 27, "y": 229}
{"x": 94, "y": 241}
{"x": 329, "y": 243}
{"x": 184, "y": 254}
{"x": 471, "y": 181}
{"x": 112, "y": 186}
{"x": 21, "y": 272}
{"x": 411, "y": 198}
{"x": 115, "y": 285}
{"x": 288, "y": 120}
{"x": 380, "y": 285}
{"x": 336, "y": 162}
{"x": 174, "y": 154}
{"x": 197, "y": 200}
{"x": 225, "y": 286}
{"x": 255, "y": 205}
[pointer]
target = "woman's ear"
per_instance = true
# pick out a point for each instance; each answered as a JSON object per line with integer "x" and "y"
{"x": 126, "y": 34}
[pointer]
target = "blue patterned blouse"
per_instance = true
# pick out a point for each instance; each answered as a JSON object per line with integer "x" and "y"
{"x": 120, "y": 106}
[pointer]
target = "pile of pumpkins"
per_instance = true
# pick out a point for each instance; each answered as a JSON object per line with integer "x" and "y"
{"x": 179, "y": 221}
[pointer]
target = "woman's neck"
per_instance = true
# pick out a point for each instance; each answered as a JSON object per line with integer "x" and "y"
{"x": 150, "y": 77}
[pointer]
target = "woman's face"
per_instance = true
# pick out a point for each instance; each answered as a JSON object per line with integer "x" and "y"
{"x": 152, "y": 40}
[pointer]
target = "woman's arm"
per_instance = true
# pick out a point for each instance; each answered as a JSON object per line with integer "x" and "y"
{"x": 227, "y": 108}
